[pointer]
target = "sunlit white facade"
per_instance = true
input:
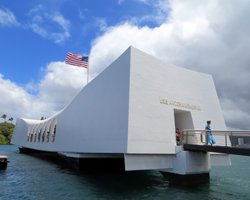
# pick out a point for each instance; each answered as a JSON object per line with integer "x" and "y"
{"x": 131, "y": 110}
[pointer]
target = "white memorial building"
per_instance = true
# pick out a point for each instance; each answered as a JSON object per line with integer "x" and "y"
{"x": 131, "y": 110}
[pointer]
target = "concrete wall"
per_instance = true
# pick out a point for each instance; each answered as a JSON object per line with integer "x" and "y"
{"x": 153, "y": 86}
{"x": 27, "y": 134}
{"x": 97, "y": 119}
{"x": 132, "y": 107}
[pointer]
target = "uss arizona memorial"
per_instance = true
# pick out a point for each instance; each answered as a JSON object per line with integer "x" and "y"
{"x": 131, "y": 111}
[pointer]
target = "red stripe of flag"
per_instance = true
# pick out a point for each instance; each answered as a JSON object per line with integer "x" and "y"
{"x": 77, "y": 60}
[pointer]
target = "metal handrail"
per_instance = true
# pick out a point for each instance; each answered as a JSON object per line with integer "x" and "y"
{"x": 227, "y": 134}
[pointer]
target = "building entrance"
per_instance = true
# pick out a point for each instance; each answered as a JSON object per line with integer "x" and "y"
{"x": 183, "y": 120}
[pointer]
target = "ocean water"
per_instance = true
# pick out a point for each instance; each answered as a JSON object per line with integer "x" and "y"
{"x": 28, "y": 177}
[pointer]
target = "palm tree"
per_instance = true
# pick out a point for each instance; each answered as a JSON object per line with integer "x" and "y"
{"x": 10, "y": 119}
{"x": 4, "y": 116}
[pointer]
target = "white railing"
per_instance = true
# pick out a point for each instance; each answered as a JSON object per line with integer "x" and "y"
{"x": 227, "y": 137}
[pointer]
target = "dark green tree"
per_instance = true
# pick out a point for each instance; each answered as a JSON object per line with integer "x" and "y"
{"x": 2, "y": 139}
{"x": 11, "y": 119}
{"x": 4, "y": 116}
{"x": 6, "y": 132}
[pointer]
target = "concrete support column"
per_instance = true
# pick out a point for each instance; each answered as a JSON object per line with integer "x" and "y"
{"x": 189, "y": 168}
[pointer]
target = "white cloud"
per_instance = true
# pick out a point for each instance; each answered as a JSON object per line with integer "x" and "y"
{"x": 14, "y": 99}
{"x": 50, "y": 25}
{"x": 158, "y": 15}
{"x": 208, "y": 36}
{"x": 60, "y": 84}
{"x": 101, "y": 23}
{"x": 7, "y": 18}
{"x": 57, "y": 88}
{"x": 211, "y": 37}
{"x": 58, "y": 18}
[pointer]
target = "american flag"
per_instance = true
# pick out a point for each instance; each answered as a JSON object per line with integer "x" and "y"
{"x": 77, "y": 60}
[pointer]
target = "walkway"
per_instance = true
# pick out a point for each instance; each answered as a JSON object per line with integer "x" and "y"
{"x": 235, "y": 142}
{"x": 217, "y": 149}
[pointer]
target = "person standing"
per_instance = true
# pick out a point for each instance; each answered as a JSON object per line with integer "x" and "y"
{"x": 210, "y": 137}
{"x": 178, "y": 136}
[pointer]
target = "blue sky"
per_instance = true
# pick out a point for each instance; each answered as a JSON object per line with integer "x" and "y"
{"x": 35, "y": 36}
{"x": 28, "y": 48}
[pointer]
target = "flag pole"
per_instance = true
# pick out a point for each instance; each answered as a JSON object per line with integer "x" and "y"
{"x": 88, "y": 71}
{"x": 87, "y": 74}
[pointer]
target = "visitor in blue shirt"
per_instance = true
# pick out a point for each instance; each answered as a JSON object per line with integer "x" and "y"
{"x": 210, "y": 137}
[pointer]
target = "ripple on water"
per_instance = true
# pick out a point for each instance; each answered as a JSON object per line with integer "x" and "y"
{"x": 29, "y": 177}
